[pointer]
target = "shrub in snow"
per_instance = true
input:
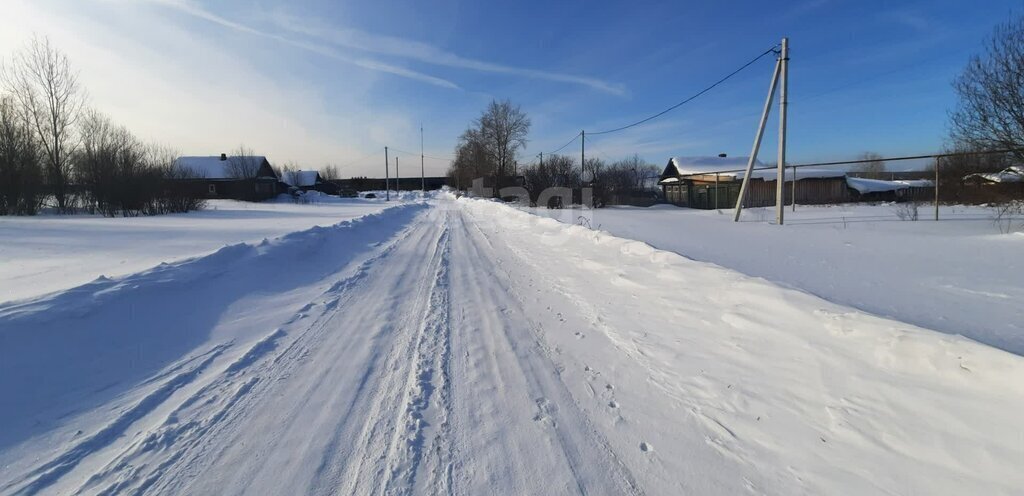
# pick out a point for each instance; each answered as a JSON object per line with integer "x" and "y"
{"x": 1004, "y": 214}
{"x": 906, "y": 210}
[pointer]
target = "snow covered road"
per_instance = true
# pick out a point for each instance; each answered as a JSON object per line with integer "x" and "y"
{"x": 464, "y": 347}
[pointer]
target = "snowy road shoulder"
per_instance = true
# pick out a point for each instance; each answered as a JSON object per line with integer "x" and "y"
{"x": 63, "y": 353}
{"x": 793, "y": 393}
{"x": 958, "y": 276}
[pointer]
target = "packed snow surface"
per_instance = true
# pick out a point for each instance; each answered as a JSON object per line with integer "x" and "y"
{"x": 462, "y": 346}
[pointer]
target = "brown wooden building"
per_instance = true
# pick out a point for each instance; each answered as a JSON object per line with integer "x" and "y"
{"x": 714, "y": 182}
{"x": 249, "y": 178}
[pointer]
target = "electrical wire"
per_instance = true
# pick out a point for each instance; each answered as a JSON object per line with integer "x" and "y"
{"x": 694, "y": 96}
{"x": 567, "y": 144}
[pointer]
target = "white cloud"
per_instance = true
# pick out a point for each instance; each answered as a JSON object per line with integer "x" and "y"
{"x": 195, "y": 10}
{"x": 422, "y": 52}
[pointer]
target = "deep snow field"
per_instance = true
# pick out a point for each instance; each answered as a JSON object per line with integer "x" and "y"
{"x": 960, "y": 275}
{"x": 52, "y": 252}
{"x": 461, "y": 346}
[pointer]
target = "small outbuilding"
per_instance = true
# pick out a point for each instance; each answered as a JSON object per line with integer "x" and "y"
{"x": 309, "y": 180}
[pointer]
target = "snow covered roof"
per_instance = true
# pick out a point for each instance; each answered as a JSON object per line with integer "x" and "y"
{"x": 705, "y": 165}
{"x": 301, "y": 178}
{"x": 213, "y": 167}
{"x": 801, "y": 173}
{"x": 865, "y": 185}
{"x": 1014, "y": 174}
{"x": 692, "y": 166}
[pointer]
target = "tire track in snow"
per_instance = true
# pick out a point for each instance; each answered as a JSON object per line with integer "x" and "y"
{"x": 368, "y": 470}
{"x": 594, "y": 465}
{"x": 428, "y": 407}
{"x": 193, "y": 423}
{"x": 345, "y": 294}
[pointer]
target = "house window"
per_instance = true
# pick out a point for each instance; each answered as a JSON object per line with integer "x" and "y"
{"x": 212, "y": 189}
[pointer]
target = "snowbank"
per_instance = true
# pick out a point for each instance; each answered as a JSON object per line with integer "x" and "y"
{"x": 73, "y": 350}
{"x": 42, "y": 254}
{"x": 731, "y": 383}
{"x": 958, "y": 276}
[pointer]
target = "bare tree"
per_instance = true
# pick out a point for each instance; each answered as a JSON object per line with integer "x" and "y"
{"x": 243, "y": 164}
{"x": 120, "y": 175}
{"x": 472, "y": 160}
{"x": 174, "y": 194}
{"x": 329, "y": 172}
{"x": 96, "y": 161}
{"x": 21, "y": 187}
{"x": 503, "y": 129}
{"x": 48, "y": 94}
{"x": 991, "y": 90}
{"x": 874, "y": 169}
{"x": 289, "y": 172}
{"x": 556, "y": 172}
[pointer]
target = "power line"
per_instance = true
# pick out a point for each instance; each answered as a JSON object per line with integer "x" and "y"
{"x": 693, "y": 97}
{"x": 659, "y": 114}
{"x": 567, "y": 144}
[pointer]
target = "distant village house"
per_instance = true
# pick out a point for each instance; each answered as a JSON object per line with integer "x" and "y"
{"x": 309, "y": 180}
{"x": 249, "y": 178}
{"x": 714, "y": 182}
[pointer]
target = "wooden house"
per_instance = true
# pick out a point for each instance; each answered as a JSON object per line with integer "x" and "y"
{"x": 309, "y": 180}
{"x": 714, "y": 182}
{"x": 249, "y": 178}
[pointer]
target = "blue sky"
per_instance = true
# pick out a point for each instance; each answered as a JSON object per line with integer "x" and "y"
{"x": 327, "y": 81}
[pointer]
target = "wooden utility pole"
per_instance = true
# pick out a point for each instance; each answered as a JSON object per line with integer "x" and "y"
{"x": 583, "y": 154}
{"x": 387, "y": 174}
{"x": 794, "y": 188}
{"x": 937, "y": 161}
{"x": 398, "y": 180}
{"x": 716, "y": 191}
{"x": 757, "y": 140}
{"x": 423, "y": 175}
{"x": 780, "y": 200}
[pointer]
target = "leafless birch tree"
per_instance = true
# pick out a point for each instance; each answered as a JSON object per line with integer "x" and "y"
{"x": 48, "y": 94}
